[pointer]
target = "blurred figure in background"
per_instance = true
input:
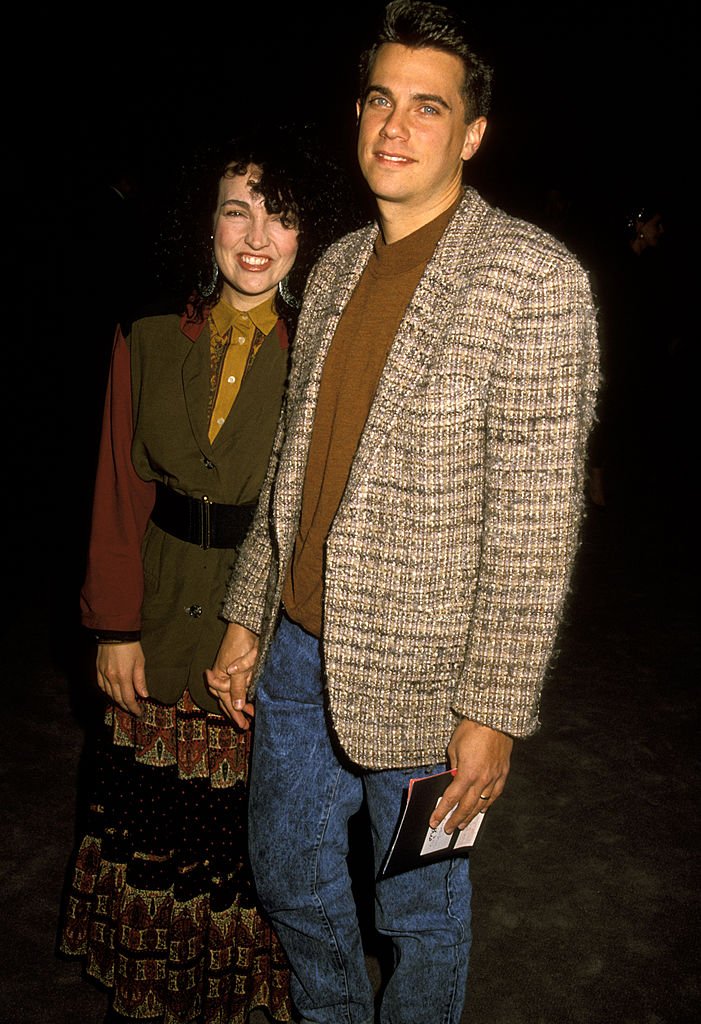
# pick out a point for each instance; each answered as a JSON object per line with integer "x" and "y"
{"x": 641, "y": 296}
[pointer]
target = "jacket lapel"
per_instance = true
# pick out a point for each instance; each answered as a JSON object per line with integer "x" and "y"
{"x": 423, "y": 329}
{"x": 252, "y": 385}
{"x": 320, "y": 316}
{"x": 195, "y": 377}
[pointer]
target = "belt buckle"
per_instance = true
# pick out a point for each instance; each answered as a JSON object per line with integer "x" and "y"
{"x": 205, "y": 523}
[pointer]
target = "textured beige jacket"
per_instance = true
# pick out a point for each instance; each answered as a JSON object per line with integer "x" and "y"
{"x": 448, "y": 562}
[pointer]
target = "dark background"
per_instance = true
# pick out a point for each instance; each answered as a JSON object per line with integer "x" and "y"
{"x": 594, "y": 97}
{"x": 586, "y": 900}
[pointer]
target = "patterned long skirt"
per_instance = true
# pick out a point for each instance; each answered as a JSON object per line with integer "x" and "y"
{"x": 161, "y": 907}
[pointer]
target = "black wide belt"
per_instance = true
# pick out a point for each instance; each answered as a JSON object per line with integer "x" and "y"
{"x": 199, "y": 520}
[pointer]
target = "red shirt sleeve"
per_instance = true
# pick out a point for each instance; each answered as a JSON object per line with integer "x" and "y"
{"x": 112, "y": 593}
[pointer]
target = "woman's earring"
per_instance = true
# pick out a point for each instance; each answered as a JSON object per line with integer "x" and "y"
{"x": 286, "y": 295}
{"x": 208, "y": 289}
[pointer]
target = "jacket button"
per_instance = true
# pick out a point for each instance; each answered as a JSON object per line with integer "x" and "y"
{"x": 207, "y": 463}
{"x": 195, "y": 610}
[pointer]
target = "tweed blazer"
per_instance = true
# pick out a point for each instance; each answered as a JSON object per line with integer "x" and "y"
{"x": 449, "y": 559}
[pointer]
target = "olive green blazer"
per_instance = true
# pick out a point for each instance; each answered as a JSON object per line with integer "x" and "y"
{"x": 138, "y": 576}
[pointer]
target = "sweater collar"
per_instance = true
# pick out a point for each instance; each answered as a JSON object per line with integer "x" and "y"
{"x": 414, "y": 249}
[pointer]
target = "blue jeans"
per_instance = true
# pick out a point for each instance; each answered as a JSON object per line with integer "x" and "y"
{"x": 302, "y": 797}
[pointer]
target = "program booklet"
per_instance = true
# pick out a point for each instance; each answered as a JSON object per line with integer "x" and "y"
{"x": 415, "y": 842}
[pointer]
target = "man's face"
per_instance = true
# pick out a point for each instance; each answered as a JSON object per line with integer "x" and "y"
{"x": 412, "y": 137}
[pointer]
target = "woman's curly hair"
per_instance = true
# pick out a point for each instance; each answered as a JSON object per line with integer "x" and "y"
{"x": 300, "y": 180}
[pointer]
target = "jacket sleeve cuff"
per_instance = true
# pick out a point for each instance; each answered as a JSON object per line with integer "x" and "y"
{"x": 116, "y": 636}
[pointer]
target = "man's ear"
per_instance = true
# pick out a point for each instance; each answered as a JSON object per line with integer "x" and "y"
{"x": 474, "y": 134}
{"x": 358, "y": 109}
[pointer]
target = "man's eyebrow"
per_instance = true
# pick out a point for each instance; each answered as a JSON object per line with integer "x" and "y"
{"x": 236, "y": 202}
{"x": 421, "y": 97}
{"x": 429, "y": 97}
{"x": 382, "y": 89}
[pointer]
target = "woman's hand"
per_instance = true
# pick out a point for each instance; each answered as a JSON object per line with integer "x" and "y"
{"x": 121, "y": 674}
{"x": 230, "y": 676}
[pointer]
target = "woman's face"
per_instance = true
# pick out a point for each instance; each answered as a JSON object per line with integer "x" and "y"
{"x": 253, "y": 248}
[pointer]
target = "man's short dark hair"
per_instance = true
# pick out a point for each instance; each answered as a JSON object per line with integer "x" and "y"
{"x": 422, "y": 26}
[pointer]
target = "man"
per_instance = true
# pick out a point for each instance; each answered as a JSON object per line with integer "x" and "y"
{"x": 397, "y": 599}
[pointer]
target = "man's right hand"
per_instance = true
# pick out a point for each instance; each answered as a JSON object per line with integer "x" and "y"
{"x": 230, "y": 676}
{"x": 121, "y": 675}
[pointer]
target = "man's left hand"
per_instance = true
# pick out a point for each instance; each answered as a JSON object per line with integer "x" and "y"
{"x": 481, "y": 757}
{"x": 230, "y": 675}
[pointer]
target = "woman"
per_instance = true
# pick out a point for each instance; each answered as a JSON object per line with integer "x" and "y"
{"x": 161, "y": 907}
